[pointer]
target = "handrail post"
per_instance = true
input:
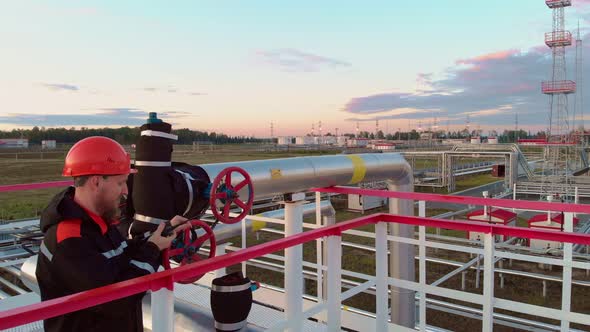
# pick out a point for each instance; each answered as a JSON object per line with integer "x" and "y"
{"x": 381, "y": 276}
{"x": 488, "y": 283}
{"x": 422, "y": 275}
{"x": 566, "y": 287}
{"x": 334, "y": 282}
{"x": 294, "y": 266}
{"x": 319, "y": 251}
{"x": 163, "y": 310}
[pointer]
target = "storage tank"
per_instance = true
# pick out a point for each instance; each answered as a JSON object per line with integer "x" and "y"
{"x": 475, "y": 140}
{"x": 331, "y": 140}
{"x": 492, "y": 140}
{"x": 285, "y": 140}
{"x": 48, "y": 144}
{"x": 303, "y": 140}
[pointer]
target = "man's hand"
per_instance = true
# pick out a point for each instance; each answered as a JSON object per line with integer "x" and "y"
{"x": 177, "y": 220}
{"x": 163, "y": 242}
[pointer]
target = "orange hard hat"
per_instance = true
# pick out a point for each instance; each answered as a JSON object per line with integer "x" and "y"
{"x": 97, "y": 155}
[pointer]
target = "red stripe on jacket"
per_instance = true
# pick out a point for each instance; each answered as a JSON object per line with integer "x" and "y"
{"x": 68, "y": 228}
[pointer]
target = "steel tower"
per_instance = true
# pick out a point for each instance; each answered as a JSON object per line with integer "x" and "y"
{"x": 559, "y": 136}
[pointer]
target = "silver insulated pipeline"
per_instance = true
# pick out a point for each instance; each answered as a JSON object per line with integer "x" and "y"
{"x": 290, "y": 175}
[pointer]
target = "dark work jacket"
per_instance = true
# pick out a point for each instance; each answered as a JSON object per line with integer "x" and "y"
{"x": 81, "y": 252}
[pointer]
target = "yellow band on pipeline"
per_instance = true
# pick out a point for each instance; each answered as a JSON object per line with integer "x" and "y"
{"x": 359, "y": 169}
{"x": 258, "y": 224}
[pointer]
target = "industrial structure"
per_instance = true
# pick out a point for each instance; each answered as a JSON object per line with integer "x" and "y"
{"x": 345, "y": 241}
{"x": 556, "y": 167}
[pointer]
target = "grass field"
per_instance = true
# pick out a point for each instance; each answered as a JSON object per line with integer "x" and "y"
{"x": 24, "y": 204}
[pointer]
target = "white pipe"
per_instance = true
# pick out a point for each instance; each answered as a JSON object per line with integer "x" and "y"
{"x": 485, "y": 207}
{"x": 381, "y": 276}
{"x": 294, "y": 266}
{"x": 488, "y": 283}
{"x": 334, "y": 282}
{"x": 318, "y": 249}
{"x": 402, "y": 259}
{"x": 163, "y": 310}
{"x": 273, "y": 177}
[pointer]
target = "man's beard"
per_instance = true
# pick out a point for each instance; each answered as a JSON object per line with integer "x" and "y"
{"x": 109, "y": 211}
{"x": 110, "y": 216}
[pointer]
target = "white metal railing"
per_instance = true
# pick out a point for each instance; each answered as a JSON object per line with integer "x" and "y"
{"x": 380, "y": 281}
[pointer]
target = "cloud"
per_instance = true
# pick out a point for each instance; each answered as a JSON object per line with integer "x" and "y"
{"x": 121, "y": 116}
{"x": 174, "y": 114}
{"x": 292, "y": 60}
{"x": 171, "y": 89}
{"x": 168, "y": 89}
{"x": 482, "y": 59}
{"x": 60, "y": 87}
{"x": 401, "y": 114}
{"x": 490, "y": 87}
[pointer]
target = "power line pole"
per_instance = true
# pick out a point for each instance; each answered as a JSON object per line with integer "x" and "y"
{"x": 272, "y": 133}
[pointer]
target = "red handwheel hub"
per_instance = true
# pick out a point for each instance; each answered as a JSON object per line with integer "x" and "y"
{"x": 187, "y": 245}
{"x": 224, "y": 195}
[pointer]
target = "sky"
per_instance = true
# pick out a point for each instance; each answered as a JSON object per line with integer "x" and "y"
{"x": 235, "y": 67}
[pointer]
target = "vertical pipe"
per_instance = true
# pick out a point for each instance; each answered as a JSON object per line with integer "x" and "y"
{"x": 488, "y": 283}
{"x": 463, "y": 280}
{"x": 381, "y": 275}
{"x": 422, "y": 208}
{"x": 501, "y": 274}
{"x": 566, "y": 288}
{"x": 485, "y": 207}
{"x": 163, "y": 310}
{"x": 293, "y": 266}
{"x": 220, "y": 251}
{"x": 514, "y": 195}
{"x": 328, "y": 220}
{"x": 401, "y": 260}
{"x": 477, "y": 271}
{"x": 244, "y": 245}
{"x": 318, "y": 248}
{"x": 422, "y": 275}
{"x": 549, "y": 199}
{"x": 576, "y": 198}
{"x": 334, "y": 282}
{"x": 513, "y": 168}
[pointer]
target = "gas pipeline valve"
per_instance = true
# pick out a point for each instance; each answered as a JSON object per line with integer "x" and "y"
{"x": 162, "y": 189}
{"x": 224, "y": 194}
{"x": 185, "y": 247}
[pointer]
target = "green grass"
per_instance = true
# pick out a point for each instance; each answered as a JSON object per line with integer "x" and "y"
{"x": 462, "y": 183}
{"x": 470, "y": 181}
{"x": 25, "y": 204}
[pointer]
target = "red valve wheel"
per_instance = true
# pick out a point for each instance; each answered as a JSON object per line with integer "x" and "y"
{"x": 185, "y": 248}
{"x": 224, "y": 194}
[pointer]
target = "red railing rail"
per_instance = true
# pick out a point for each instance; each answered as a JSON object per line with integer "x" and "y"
{"x": 37, "y": 185}
{"x": 156, "y": 281}
{"x": 496, "y": 202}
{"x": 166, "y": 279}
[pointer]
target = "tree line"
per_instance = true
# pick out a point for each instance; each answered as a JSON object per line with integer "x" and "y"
{"x": 123, "y": 135}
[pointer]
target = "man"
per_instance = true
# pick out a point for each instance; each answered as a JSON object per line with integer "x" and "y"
{"x": 82, "y": 249}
